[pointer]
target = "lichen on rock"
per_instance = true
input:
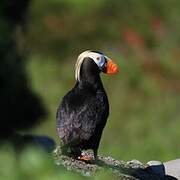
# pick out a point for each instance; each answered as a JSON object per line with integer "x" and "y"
{"x": 120, "y": 169}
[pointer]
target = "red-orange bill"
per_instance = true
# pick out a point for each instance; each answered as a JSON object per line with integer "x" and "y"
{"x": 111, "y": 67}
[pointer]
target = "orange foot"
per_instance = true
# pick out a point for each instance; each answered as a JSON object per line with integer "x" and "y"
{"x": 85, "y": 158}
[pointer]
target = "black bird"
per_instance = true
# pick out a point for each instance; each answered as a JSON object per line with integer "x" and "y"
{"x": 84, "y": 110}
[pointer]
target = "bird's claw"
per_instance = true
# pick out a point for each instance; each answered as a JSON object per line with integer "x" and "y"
{"x": 85, "y": 158}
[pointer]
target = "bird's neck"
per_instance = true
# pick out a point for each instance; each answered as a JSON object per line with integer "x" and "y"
{"x": 92, "y": 83}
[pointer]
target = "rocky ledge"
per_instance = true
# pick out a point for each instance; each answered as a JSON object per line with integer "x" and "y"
{"x": 122, "y": 170}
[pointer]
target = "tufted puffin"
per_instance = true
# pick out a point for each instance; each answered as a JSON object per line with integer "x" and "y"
{"x": 84, "y": 110}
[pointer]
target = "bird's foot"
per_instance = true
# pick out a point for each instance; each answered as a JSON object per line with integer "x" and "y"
{"x": 85, "y": 158}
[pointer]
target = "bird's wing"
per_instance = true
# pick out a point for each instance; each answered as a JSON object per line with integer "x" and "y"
{"x": 89, "y": 117}
{"x": 78, "y": 118}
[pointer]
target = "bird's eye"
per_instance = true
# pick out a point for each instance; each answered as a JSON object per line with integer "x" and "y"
{"x": 98, "y": 58}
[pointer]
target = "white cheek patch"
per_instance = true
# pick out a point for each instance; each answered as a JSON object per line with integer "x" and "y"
{"x": 98, "y": 59}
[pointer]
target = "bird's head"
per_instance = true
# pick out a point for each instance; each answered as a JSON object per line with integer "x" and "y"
{"x": 102, "y": 62}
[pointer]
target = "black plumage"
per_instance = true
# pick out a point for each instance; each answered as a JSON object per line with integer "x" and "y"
{"x": 83, "y": 112}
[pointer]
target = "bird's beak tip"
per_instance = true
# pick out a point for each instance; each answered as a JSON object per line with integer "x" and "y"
{"x": 111, "y": 67}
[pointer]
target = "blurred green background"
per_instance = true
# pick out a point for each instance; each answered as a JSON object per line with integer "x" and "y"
{"x": 142, "y": 37}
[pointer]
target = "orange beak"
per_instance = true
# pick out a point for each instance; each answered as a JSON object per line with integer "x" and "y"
{"x": 111, "y": 67}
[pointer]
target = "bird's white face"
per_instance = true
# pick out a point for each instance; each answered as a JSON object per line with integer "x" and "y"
{"x": 100, "y": 59}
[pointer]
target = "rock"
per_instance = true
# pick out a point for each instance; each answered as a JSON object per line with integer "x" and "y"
{"x": 154, "y": 163}
{"x": 172, "y": 168}
{"x": 166, "y": 170}
{"x": 157, "y": 167}
{"x": 120, "y": 169}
